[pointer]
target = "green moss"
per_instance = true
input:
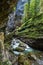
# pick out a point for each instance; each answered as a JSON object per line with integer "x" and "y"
{"x": 23, "y": 60}
{"x": 7, "y": 63}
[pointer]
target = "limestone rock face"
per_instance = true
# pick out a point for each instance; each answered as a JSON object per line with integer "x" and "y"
{"x": 6, "y": 7}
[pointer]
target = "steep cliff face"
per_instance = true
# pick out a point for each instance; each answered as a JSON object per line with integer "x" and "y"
{"x": 6, "y": 6}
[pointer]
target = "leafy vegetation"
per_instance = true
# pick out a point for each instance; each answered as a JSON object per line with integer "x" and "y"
{"x": 32, "y": 26}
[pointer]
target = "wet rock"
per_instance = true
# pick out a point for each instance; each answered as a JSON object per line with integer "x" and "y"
{"x": 18, "y": 46}
{"x": 19, "y": 49}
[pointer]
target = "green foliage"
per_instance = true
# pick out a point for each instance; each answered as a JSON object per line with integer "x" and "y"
{"x": 32, "y": 7}
{"x": 33, "y": 26}
{"x": 7, "y": 63}
{"x": 41, "y": 6}
{"x": 26, "y": 12}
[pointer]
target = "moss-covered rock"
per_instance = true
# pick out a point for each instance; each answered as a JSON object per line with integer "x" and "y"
{"x": 23, "y": 60}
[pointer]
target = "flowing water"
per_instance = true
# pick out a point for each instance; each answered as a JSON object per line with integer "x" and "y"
{"x": 35, "y": 54}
